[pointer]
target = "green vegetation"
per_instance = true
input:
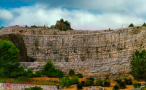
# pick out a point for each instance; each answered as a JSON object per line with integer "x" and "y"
{"x": 116, "y": 87}
{"x": 37, "y": 74}
{"x": 131, "y": 25}
{"x": 32, "y": 59}
{"x": 33, "y": 26}
{"x": 99, "y": 82}
{"x": 9, "y": 63}
{"x": 138, "y": 65}
{"x": 79, "y": 75}
{"x": 89, "y": 83}
{"x": 83, "y": 83}
{"x": 128, "y": 81}
{"x": 50, "y": 71}
{"x": 144, "y": 24}
{"x": 136, "y": 85}
{"x": 29, "y": 73}
{"x": 122, "y": 84}
{"x": 65, "y": 81}
{"x": 2, "y": 27}
{"x": 106, "y": 83}
{"x": 118, "y": 80}
{"x": 71, "y": 72}
{"x": 52, "y": 26}
{"x": 79, "y": 86}
{"x": 35, "y": 88}
{"x": 23, "y": 79}
{"x": 75, "y": 79}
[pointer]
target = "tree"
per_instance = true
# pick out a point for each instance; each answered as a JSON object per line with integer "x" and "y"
{"x": 9, "y": 63}
{"x": 47, "y": 66}
{"x": 52, "y": 26}
{"x": 61, "y": 20}
{"x": 138, "y": 66}
{"x": 131, "y": 25}
{"x": 144, "y": 24}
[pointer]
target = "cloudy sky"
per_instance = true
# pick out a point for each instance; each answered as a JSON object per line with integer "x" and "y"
{"x": 82, "y": 14}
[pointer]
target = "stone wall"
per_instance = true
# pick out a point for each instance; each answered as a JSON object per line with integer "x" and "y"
{"x": 100, "y": 68}
{"x": 91, "y": 53}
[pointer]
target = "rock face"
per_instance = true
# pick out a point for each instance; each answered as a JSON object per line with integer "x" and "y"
{"x": 61, "y": 25}
{"x": 18, "y": 41}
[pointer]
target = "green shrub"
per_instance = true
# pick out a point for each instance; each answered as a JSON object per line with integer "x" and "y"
{"x": 29, "y": 73}
{"x": 144, "y": 24}
{"x": 51, "y": 72}
{"x": 65, "y": 81}
{"x": 128, "y": 81}
{"x": 106, "y": 83}
{"x": 83, "y": 83}
{"x": 131, "y": 25}
{"x": 79, "y": 86}
{"x": 9, "y": 63}
{"x": 46, "y": 67}
{"x": 23, "y": 79}
{"x": 71, "y": 72}
{"x": 33, "y": 26}
{"x": 32, "y": 59}
{"x": 116, "y": 87}
{"x": 37, "y": 74}
{"x": 90, "y": 78}
{"x": 75, "y": 79}
{"x": 79, "y": 75}
{"x": 59, "y": 73}
{"x": 61, "y": 20}
{"x": 138, "y": 65}
{"x": 118, "y": 80}
{"x": 122, "y": 85}
{"x": 35, "y": 88}
{"x": 99, "y": 82}
{"x": 89, "y": 83}
{"x": 52, "y": 26}
{"x": 136, "y": 85}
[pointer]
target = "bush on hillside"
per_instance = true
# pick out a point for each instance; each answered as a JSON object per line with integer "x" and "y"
{"x": 89, "y": 83}
{"x": 65, "y": 81}
{"x": 35, "y": 88}
{"x": 37, "y": 74}
{"x": 75, "y": 79}
{"x": 106, "y": 83}
{"x": 29, "y": 73}
{"x": 9, "y": 63}
{"x": 131, "y": 25}
{"x": 52, "y": 26}
{"x": 144, "y": 24}
{"x": 79, "y": 86}
{"x": 71, "y": 72}
{"x": 32, "y": 59}
{"x": 83, "y": 83}
{"x": 33, "y": 26}
{"x": 23, "y": 79}
{"x": 46, "y": 67}
{"x": 79, "y": 75}
{"x": 116, "y": 87}
{"x": 118, "y": 80}
{"x": 122, "y": 84}
{"x": 128, "y": 81}
{"x": 99, "y": 82}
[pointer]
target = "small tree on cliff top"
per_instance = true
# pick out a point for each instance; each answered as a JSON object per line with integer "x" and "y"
{"x": 144, "y": 24}
{"x": 131, "y": 25}
{"x": 61, "y": 20}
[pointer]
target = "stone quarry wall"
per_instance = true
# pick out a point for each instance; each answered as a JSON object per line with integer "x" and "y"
{"x": 91, "y": 53}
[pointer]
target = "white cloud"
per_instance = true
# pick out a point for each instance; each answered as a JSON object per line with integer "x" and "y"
{"x": 80, "y": 19}
{"x": 5, "y": 15}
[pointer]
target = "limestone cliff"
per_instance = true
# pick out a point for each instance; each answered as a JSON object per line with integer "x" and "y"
{"x": 18, "y": 41}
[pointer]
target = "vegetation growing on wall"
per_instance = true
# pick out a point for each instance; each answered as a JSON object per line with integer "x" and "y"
{"x": 9, "y": 63}
{"x": 138, "y": 65}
